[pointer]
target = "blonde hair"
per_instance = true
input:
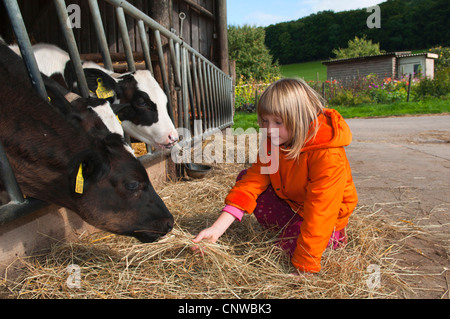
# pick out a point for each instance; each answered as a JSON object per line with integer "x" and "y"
{"x": 298, "y": 106}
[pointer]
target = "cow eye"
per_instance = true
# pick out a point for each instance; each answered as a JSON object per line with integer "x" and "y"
{"x": 141, "y": 102}
{"x": 132, "y": 186}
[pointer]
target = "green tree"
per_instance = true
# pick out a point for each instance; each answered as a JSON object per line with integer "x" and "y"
{"x": 443, "y": 60}
{"x": 247, "y": 48}
{"x": 358, "y": 47}
{"x": 405, "y": 25}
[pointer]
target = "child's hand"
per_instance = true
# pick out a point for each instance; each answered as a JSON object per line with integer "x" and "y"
{"x": 209, "y": 234}
{"x": 212, "y": 234}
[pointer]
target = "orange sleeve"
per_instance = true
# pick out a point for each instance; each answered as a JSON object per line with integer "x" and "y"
{"x": 324, "y": 195}
{"x": 245, "y": 192}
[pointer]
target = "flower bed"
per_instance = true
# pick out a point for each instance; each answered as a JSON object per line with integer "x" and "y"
{"x": 370, "y": 89}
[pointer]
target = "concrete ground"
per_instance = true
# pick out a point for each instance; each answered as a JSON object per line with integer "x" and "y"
{"x": 401, "y": 168}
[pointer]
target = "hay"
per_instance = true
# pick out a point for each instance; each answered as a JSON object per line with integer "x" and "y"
{"x": 243, "y": 264}
{"x": 139, "y": 149}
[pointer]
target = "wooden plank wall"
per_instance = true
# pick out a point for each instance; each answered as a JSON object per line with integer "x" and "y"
{"x": 199, "y": 29}
{"x": 348, "y": 71}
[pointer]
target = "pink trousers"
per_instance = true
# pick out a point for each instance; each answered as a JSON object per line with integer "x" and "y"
{"x": 274, "y": 213}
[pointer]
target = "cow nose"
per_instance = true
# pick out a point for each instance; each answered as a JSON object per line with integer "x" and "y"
{"x": 173, "y": 136}
{"x": 169, "y": 224}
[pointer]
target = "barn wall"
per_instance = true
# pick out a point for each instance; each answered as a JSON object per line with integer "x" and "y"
{"x": 346, "y": 70}
{"x": 199, "y": 29}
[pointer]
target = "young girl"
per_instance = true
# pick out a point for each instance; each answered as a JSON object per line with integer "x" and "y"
{"x": 311, "y": 196}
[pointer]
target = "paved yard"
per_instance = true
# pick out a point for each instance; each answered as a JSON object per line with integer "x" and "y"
{"x": 401, "y": 167}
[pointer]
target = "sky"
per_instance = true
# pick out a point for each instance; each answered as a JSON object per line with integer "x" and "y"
{"x": 262, "y": 13}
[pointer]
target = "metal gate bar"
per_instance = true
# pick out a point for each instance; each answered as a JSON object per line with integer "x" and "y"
{"x": 19, "y": 206}
{"x": 100, "y": 32}
{"x": 125, "y": 39}
{"x": 145, "y": 46}
{"x": 63, "y": 18}
{"x": 163, "y": 71}
{"x": 214, "y": 85}
{"x": 15, "y": 17}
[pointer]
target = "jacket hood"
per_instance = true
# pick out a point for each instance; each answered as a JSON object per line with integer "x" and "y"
{"x": 333, "y": 132}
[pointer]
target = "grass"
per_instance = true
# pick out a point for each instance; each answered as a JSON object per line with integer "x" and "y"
{"x": 245, "y": 120}
{"x": 308, "y": 70}
{"x": 429, "y": 106}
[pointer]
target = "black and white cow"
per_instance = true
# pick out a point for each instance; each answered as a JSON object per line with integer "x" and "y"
{"x": 50, "y": 147}
{"x": 101, "y": 107}
{"x": 144, "y": 116}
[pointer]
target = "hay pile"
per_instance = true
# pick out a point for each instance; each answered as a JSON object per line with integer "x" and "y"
{"x": 243, "y": 264}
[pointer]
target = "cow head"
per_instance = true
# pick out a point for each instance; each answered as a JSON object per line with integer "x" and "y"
{"x": 117, "y": 194}
{"x": 143, "y": 105}
{"x": 71, "y": 105}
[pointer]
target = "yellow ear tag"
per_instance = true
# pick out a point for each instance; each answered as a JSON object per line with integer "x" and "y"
{"x": 117, "y": 116}
{"x": 102, "y": 92}
{"x": 79, "y": 181}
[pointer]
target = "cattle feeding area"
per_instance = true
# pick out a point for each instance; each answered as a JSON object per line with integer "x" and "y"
{"x": 133, "y": 98}
{"x": 244, "y": 263}
{"x": 62, "y": 153}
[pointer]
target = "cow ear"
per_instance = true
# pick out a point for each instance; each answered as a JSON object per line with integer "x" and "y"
{"x": 100, "y": 83}
{"x": 113, "y": 141}
{"x": 70, "y": 78}
{"x": 127, "y": 87}
{"x": 94, "y": 166}
{"x": 87, "y": 168}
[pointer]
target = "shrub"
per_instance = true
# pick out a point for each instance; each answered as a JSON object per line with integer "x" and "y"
{"x": 348, "y": 98}
{"x": 362, "y": 90}
{"x": 385, "y": 96}
{"x": 443, "y": 60}
{"x": 247, "y": 48}
{"x": 248, "y": 91}
{"x": 437, "y": 87}
{"x": 344, "y": 97}
{"x": 358, "y": 47}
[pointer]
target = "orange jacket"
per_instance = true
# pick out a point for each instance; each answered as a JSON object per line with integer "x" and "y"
{"x": 318, "y": 186}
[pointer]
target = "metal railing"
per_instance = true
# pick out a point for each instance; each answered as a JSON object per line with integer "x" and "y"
{"x": 204, "y": 92}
